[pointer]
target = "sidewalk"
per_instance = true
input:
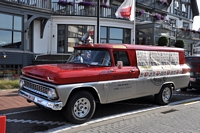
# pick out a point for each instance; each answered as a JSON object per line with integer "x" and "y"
{"x": 10, "y": 101}
{"x": 183, "y": 118}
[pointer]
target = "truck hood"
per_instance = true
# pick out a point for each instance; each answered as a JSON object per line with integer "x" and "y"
{"x": 65, "y": 73}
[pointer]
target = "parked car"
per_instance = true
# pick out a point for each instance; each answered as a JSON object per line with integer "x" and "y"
{"x": 194, "y": 64}
{"x": 108, "y": 73}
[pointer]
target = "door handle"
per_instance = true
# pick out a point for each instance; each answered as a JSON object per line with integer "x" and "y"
{"x": 132, "y": 71}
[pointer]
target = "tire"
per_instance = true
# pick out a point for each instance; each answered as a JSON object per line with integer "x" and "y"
{"x": 164, "y": 96}
{"x": 80, "y": 107}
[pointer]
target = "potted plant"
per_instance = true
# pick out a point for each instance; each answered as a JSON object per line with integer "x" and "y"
{"x": 88, "y": 4}
{"x": 65, "y": 2}
{"x": 179, "y": 44}
{"x": 182, "y": 28}
{"x": 104, "y": 5}
{"x": 163, "y": 41}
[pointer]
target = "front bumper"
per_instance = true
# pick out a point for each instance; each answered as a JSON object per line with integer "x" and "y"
{"x": 41, "y": 101}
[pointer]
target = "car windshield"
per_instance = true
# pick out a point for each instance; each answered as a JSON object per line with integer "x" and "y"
{"x": 100, "y": 57}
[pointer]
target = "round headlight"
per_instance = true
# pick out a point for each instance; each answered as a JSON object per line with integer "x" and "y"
{"x": 51, "y": 94}
{"x": 21, "y": 84}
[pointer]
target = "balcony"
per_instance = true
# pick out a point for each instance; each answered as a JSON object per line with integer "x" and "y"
{"x": 187, "y": 34}
{"x": 144, "y": 16}
{"x": 180, "y": 13}
{"x": 30, "y": 4}
{"x": 80, "y": 10}
{"x": 145, "y": 2}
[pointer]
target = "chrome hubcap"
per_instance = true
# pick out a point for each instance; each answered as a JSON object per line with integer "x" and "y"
{"x": 81, "y": 107}
{"x": 166, "y": 94}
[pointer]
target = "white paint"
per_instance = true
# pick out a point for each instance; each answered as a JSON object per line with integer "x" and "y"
{"x": 49, "y": 43}
{"x": 41, "y": 45}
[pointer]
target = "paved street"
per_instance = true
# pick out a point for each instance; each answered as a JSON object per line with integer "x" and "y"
{"x": 180, "y": 116}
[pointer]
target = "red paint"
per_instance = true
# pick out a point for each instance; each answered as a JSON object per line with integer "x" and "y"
{"x": 126, "y": 12}
{"x": 79, "y": 73}
{"x": 2, "y": 124}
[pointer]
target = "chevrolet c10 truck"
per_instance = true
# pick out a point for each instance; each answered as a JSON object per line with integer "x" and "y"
{"x": 105, "y": 73}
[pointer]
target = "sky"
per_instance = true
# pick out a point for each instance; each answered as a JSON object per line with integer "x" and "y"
{"x": 196, "y": 21}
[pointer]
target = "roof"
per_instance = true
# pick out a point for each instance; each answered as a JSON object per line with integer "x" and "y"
{"x": 130, "y": 46}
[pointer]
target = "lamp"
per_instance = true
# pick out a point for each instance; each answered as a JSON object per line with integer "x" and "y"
{"x": 4, "y": 55}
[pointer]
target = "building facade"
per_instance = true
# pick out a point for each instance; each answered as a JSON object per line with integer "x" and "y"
{"x": 22, "y": 23}
{"x": 45, "y": 30}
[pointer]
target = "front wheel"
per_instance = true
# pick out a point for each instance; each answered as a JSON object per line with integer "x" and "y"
{"x": 80, "y": 107}
{"x": 164, "y": 96}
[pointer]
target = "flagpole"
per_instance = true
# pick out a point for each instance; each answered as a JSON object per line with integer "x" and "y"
{"x": 134, "y": 23}
{"x": 98, "y": 7}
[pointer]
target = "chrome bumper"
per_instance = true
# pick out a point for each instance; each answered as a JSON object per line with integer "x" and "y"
{"x": 40, "y": 101}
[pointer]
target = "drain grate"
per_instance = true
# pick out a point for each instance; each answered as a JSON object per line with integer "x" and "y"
{"x": 169, "y": 111}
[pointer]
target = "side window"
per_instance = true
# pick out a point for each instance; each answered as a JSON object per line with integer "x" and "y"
{"x": 121, "y": 56}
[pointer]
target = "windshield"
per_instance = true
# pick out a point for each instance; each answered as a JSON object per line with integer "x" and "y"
{"x": 100, "y": 57}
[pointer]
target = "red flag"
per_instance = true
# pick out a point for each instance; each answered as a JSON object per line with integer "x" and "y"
{"x": 126, "y": 10}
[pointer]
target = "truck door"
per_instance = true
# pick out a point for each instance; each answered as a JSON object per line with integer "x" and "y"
{"x": 121, "y": 81}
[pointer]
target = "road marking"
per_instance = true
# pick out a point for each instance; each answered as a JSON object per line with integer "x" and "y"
{"x": 136, "y": 104}
{"x": 19, "y": 112}
{"x": 36, "y": 121}
{"x": 92, "y": 121}
{"x": 189, "y": 103}
{"x": 186, "y": 95}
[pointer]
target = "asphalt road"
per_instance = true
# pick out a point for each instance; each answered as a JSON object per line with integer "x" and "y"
{"x": 35, "y": 119}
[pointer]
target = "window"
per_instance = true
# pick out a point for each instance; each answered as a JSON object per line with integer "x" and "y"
{"x": 10, "y": 31}
{"x": 172, "y": 22}
{"x": 121, "y": 56}
{"x": 70, "y": 35}
{"x": 94, "y": 57}
{"x": 176, "y": 4}
{"x": 184, "y": 7}
{"x": 115, "y": 35}
{"x": 10, "y": 71}
{"x": 186, "y": 25}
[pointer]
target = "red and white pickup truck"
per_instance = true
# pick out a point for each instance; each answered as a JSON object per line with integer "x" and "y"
{"x": 105, "y": 73}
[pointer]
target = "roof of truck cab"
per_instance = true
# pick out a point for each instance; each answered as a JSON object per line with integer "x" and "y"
{"x": 130, "y": 46}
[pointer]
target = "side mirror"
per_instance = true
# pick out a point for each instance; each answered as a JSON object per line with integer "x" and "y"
{"x": 119, "y": 64}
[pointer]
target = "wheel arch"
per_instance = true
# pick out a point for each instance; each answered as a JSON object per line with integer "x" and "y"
{"x": 169, "y": 83}
{"x": 89, "y": 89}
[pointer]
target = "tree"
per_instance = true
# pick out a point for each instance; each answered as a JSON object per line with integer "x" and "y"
{"x": 179, "y": 44}
{"x": 163, "y": 41}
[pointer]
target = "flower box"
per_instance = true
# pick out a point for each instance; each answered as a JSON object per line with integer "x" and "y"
{"x": 104, "y": 5}
{"x": 65, "y": 3}
{"x": 89, "y": 4}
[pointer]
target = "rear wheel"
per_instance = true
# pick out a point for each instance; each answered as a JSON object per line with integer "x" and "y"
{"x": 164, "y": 96}
{"x": 80, "y": 107}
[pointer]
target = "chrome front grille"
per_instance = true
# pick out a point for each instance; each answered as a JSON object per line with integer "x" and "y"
{"x": 36, "y": 88}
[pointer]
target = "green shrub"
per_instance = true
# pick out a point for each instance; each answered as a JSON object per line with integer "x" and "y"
{"x": 9, "y": 84}
{"x": 179, "y": 44}
{"x": 163, "y": 41}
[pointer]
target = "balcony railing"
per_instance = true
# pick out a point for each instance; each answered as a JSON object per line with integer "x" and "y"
{"x": 187, "y": 34}
{"x": 180, "y": 13}
{"x": 79, "y": 10}
{"x": 145, "y": 16}
{"x": 42, "y": 4}
{"x": 145, "y": 2}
